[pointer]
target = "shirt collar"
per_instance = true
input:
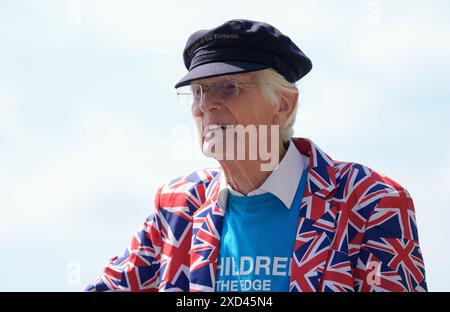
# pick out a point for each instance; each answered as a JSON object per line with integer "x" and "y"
{"x": 282, "y": 182}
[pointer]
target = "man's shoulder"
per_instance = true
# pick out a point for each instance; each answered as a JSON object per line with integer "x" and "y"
{"x": 193, "y": 183}
{"x": 347, "y": 179}
{"x": 376, "y": 204}
{"x": 358, "y": 182}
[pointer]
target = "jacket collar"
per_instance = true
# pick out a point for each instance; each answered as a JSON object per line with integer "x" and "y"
{"x": 321, "y": 172}
{"x": 315, "y": 229}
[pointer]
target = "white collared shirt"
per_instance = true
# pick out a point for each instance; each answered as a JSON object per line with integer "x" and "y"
{"x": 282, "y": 182}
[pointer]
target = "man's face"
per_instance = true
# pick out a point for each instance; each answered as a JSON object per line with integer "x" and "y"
{"x": 248, "y": 107}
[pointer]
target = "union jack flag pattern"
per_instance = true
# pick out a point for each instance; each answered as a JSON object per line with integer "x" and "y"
{"x": 356, "y": 232}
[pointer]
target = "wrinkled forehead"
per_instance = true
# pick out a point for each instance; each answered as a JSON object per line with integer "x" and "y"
{"x": 240, "y": 77}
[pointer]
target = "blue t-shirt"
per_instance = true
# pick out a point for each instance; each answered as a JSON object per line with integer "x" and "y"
{"x": 257, "y": 242}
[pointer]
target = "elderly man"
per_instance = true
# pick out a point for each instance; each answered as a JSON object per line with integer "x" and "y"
{"x": 278, "y": 214}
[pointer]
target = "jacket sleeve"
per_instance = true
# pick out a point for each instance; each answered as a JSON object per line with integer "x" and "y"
{"x": 137, "y": 268}
{"x": 390, "y": 258}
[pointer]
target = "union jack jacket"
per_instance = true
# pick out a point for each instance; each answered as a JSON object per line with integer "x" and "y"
{"x": 356, "y": 232}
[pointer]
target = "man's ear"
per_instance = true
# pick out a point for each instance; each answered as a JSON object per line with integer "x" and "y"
{"x": 286, "y": 106}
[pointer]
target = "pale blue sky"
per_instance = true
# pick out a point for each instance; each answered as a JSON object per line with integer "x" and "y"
{"x": 89, "y": 117}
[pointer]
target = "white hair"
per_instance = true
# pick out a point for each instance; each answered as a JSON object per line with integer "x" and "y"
{"x": 271, "y": 82}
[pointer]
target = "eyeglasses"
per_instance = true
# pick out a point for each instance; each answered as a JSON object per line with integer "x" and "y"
{"x": 224, "y": 90}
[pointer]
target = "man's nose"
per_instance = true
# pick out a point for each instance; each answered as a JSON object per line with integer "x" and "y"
{"x": 210, "y": 103}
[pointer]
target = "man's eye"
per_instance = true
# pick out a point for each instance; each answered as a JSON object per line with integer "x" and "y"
{"x": 229, "y": 85}
{"x": 228, "y": 88}
{"x": 196, "y": 91}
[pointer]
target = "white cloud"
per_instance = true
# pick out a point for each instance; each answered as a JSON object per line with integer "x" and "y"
{"x": 429, "y": 188}
{"x": 8, "y": 109}
{"x": 335, "y": 106}
{"x": 114, "y": 153}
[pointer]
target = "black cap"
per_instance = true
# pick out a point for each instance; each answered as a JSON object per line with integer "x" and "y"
{"x": 240, "y": 46}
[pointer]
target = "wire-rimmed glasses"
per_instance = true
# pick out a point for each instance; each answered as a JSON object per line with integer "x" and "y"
{"x": 224, "y": 90}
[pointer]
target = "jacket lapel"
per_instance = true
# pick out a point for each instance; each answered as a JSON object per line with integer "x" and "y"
{"x": 316, "y": 223}
{"x": 207, "y": 228}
